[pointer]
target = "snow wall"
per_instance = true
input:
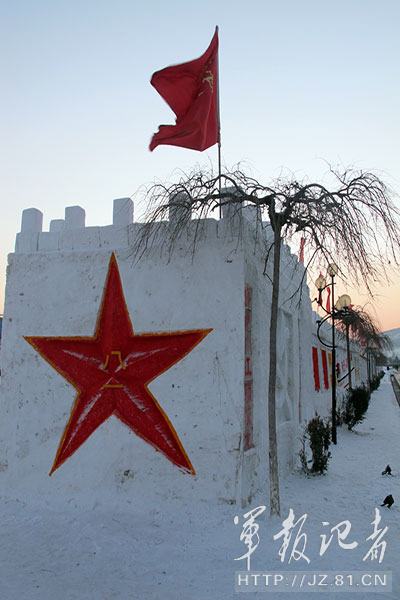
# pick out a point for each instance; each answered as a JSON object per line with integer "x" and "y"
{"x": 215, "y": 397}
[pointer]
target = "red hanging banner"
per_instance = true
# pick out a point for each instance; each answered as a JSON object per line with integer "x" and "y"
{"x": 317, "y": 383}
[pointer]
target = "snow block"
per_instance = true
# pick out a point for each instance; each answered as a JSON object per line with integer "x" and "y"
{"x": 112, "y": 237}
{"x": 122, "y": 212}
{"x": 57, "y": 225}
{"x": 87, "y": 238}
{"x": 32, "y": 220}
{"x": 27, "y": 242}
{"x": 74, "y": 217}
{"x": 48, "y": 241}
{"x": 66, "y": 240}
{"x": 179, "y": 208}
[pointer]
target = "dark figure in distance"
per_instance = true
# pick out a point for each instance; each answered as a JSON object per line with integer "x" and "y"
{"x": 388, "y": 501}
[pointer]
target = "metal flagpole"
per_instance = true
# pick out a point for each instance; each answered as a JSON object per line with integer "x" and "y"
{"x": 219, "y": 128}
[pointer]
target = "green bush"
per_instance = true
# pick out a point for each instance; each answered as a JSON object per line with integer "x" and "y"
{"x": 315, "y": 438}
{"x": 376, "y": 381}
{"x": 356, "y": 406}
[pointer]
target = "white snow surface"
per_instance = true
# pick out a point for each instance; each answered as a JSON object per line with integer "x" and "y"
{"x": 130, "y": 551}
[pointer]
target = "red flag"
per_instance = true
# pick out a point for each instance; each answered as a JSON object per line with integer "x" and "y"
{"x": 328, "y": 300}
{"x": 302, "y": 243}
{"x": 190, "y": 89}
{"x": 320, "y": 293}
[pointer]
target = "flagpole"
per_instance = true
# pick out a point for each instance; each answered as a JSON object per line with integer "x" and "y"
{"x": 219, "y": 128}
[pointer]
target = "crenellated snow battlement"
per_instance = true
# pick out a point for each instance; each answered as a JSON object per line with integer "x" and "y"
{"x": 71, "y": 232}
{"x": 72, "y": 235}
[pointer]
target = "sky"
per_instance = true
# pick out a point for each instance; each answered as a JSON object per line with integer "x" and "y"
{"x": 301, "y": 85}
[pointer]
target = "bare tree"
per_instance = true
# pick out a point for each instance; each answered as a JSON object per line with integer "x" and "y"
{"x": 354, "y": 224}
{"x": 356, "y": 323}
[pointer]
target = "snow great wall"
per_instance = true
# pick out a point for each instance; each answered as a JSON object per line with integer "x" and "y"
{"x": 215, "y": 397}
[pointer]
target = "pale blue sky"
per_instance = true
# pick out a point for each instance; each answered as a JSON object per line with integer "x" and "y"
{"x": 301, "y": 83}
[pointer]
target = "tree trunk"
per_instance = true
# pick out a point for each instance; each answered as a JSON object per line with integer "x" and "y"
{"x": 273, "y": 446}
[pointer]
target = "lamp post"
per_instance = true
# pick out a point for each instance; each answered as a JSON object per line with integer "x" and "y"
{"x": 332, "y": 271}
{"x": 342, "y": 305}
{"x": 332, "y": 314}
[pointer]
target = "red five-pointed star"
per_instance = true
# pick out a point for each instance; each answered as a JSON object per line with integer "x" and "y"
{"x": 111, "y": 372}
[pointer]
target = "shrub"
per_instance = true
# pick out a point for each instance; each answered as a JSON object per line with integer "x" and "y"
{"x": 315, "y": 438}
{"x": 376, "y": 381}
{"x": 356, "y": 406}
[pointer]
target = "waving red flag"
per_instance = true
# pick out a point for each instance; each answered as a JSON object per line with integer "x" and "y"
{"x": 190, "y": 89}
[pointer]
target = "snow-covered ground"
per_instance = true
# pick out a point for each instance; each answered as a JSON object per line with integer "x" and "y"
{"x": 104, "y": 552}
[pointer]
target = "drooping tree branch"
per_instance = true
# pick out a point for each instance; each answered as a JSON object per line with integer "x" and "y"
{"x": 363, "y": 328}
{"x": 355, "y": 224}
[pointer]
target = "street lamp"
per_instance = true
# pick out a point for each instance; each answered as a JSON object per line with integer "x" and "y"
{"x": 343, "y": 302}
{"x": 333, "y": 269}
{"x": 321, "y": 285}
{"x": 343, "y": 305}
